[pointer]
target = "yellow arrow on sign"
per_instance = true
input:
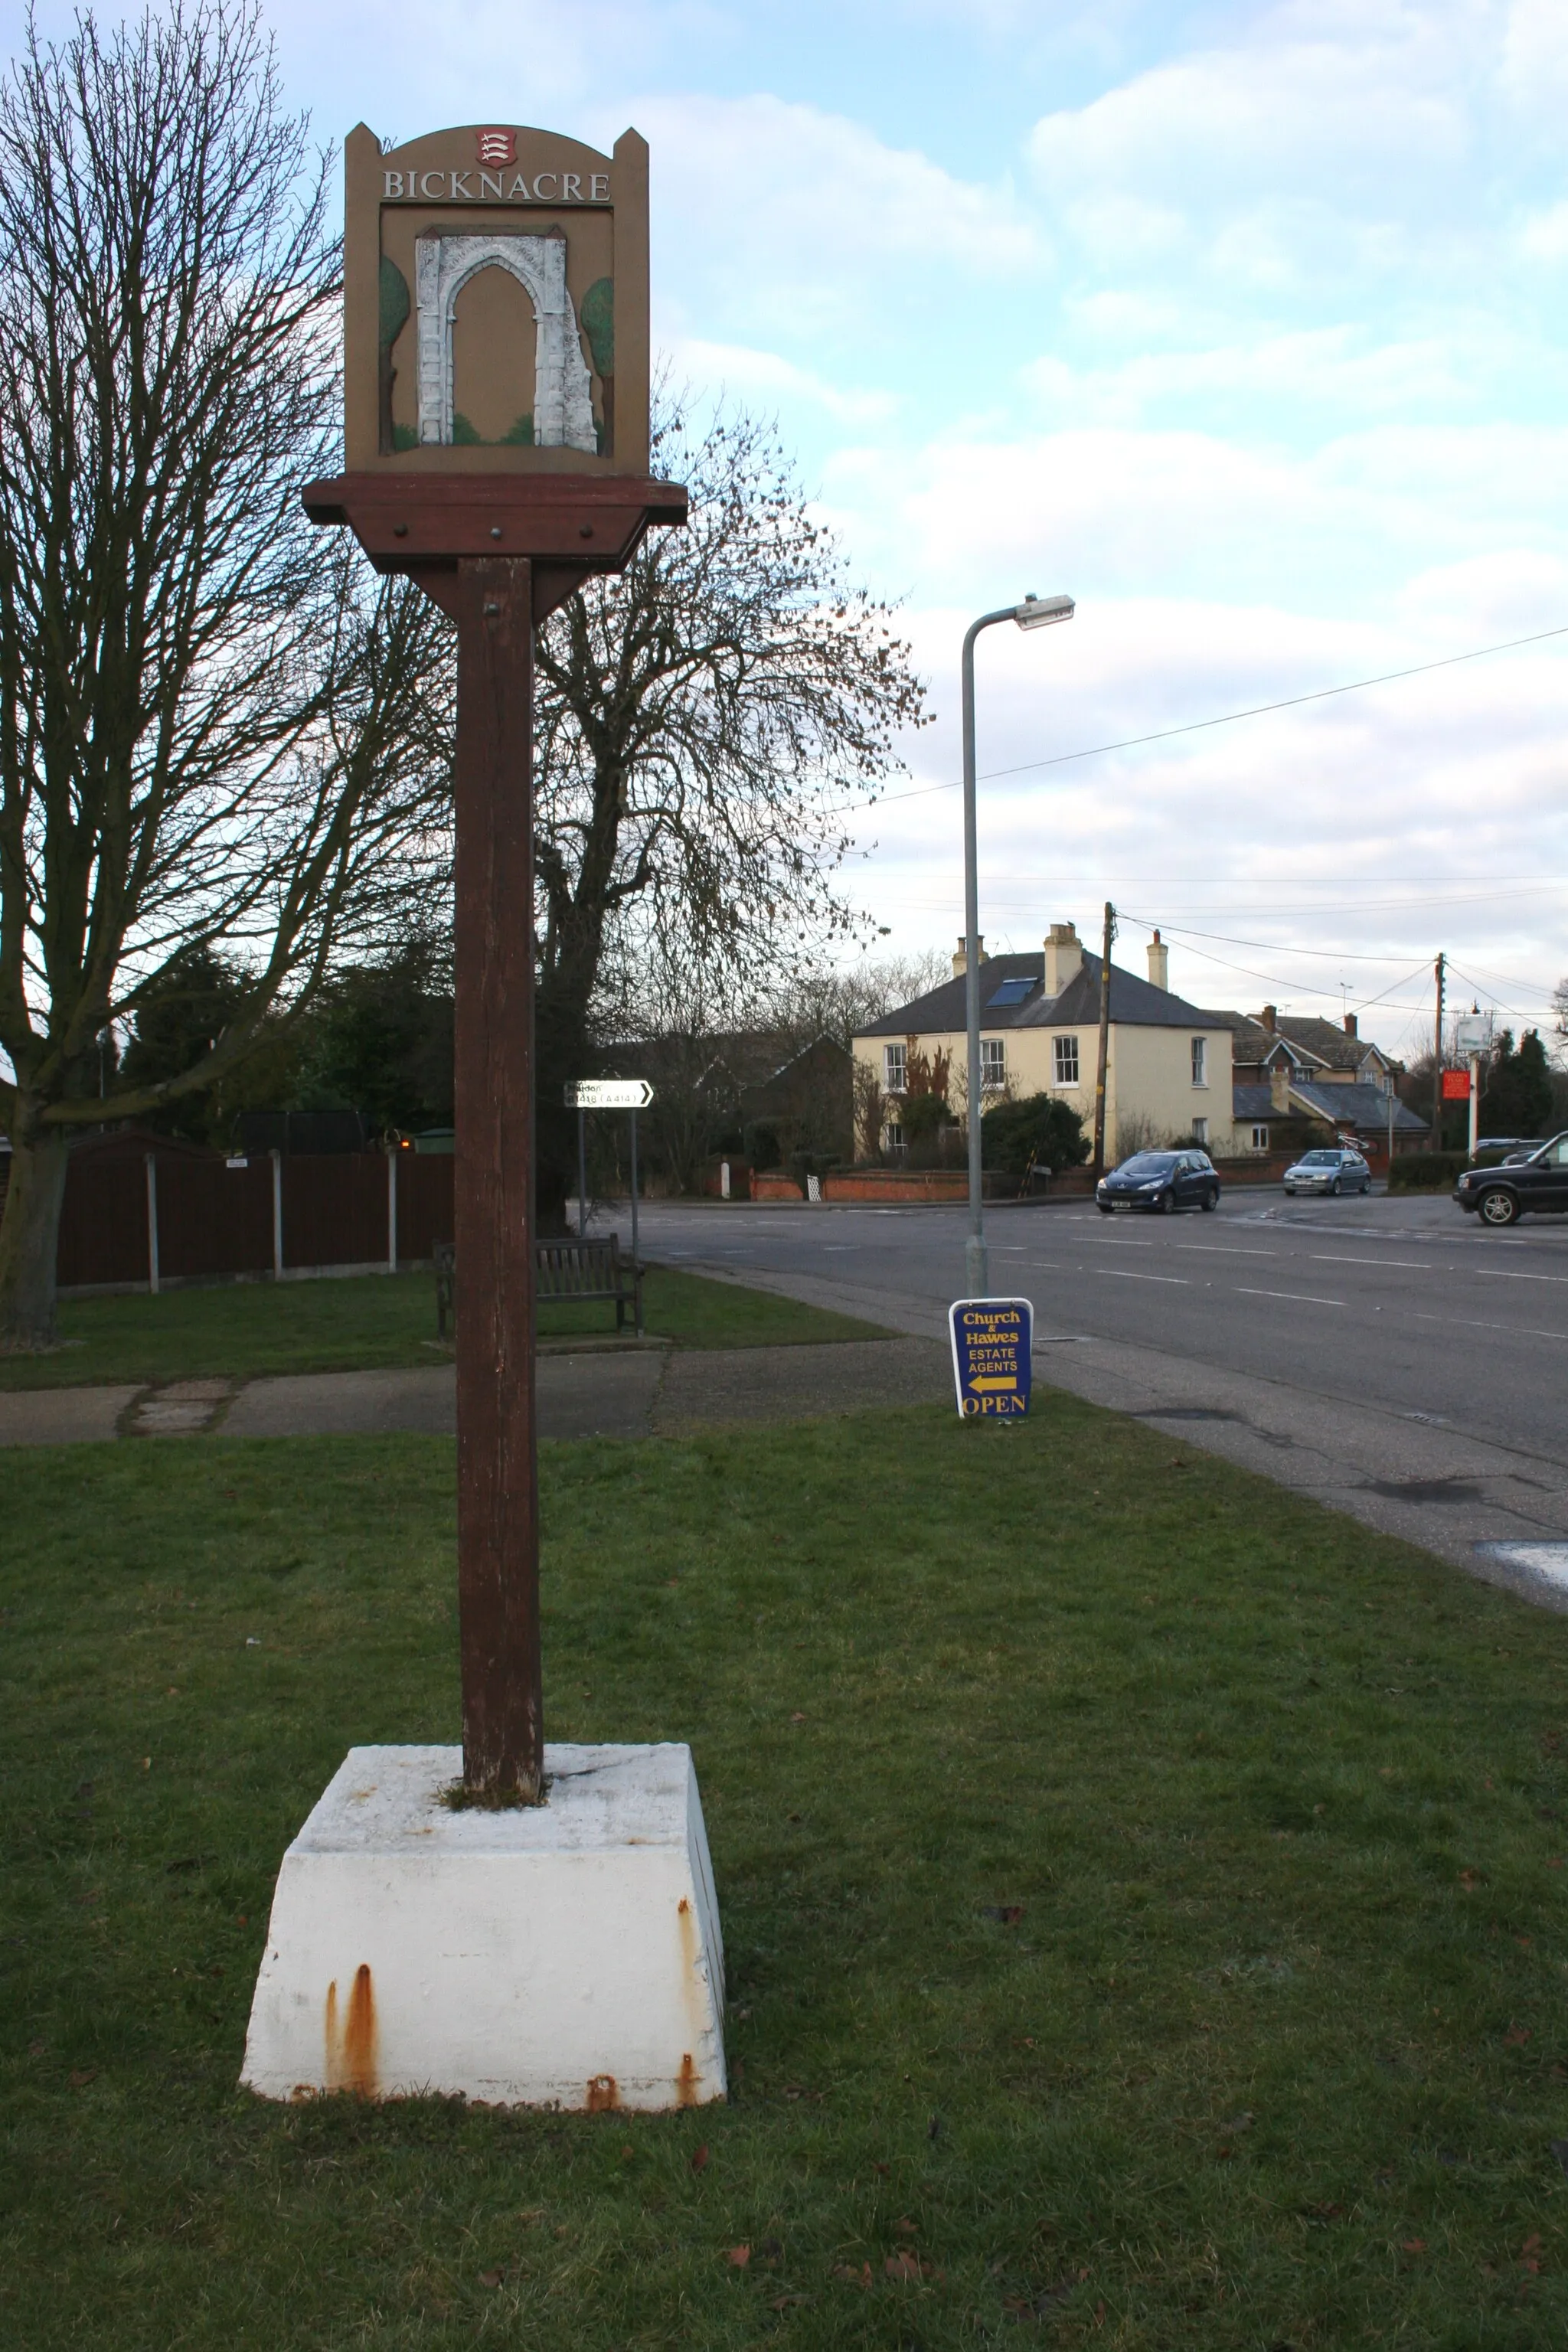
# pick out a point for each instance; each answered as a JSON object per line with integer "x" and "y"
{"x": 985, "y": 1382}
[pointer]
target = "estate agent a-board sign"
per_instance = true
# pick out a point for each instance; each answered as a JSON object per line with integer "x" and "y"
{"x": 509, "y": 1922}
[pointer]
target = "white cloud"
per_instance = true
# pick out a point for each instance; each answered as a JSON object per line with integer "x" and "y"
{"x": 758, "y": 376}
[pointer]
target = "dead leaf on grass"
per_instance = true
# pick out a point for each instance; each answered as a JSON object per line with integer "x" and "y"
{"x": 851, "y": 2276}
{"x": 1412, "y": 2245}
{"x": 1469, "y": 1880}
{"x": 740, "y": 2256}
{"x": 1516, "y": 2037}
{"x": 492, "y": 2278}
{"x": 82, "y": 2076}
{"x": 699, "y": 2157}
{"x": 1006, "y": 1915}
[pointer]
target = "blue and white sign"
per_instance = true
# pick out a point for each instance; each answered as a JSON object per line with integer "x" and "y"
{"x": 992, "y": 1356}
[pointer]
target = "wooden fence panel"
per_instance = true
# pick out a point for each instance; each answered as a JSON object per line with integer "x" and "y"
{"x": 424, "y": 1202}
{"x": 334, "y": 1209}
{"x": 213, "y": 1220}
{"x": 103, "y": 1223}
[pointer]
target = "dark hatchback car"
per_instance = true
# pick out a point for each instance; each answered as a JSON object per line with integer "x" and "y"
{"x": 1499, "y": 1196}
{"x": 1160, "y": 1179}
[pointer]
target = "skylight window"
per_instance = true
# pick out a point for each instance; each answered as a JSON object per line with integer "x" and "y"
{"x": 1011, "y": 991}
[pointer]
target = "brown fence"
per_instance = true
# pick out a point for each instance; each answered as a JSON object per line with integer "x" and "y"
{"x": 215, "y": 1220}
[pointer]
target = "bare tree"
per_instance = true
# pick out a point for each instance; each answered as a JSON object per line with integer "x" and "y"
{"x": 700, "y": 719}
{"x": 212, "y": 728}
{"x": 1560, "y": 1015}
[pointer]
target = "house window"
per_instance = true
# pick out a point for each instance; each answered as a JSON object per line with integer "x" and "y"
{"x": 893, "y": 1136}
{"x": 1260, "y": 1139}
{"x": 1064, "y": 1061}
{"x": 993, "y": 1062}
{"x": 1200, "y": 1130}
{"x": 1200, "y": 1061}
{"x": 893, "y": 1069}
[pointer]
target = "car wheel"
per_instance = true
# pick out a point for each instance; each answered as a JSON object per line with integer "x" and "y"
{"x": 1334, "y": 1188}
{"x": 1366, "y": 1188}
{"x": 1166, "y": 1203}
{"x": 1211, "y": 1198}
{"x": 1499, "y": 1208}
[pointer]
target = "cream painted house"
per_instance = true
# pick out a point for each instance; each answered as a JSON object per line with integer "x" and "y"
{"x": 1168, "y": 1066}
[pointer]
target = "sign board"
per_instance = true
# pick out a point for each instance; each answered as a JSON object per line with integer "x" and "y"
{"x": 1455, "y": 1085}
{"x": 992, "y": 1356}
{"x": 1473, "y": 1033}
{"x": 609, "y": 1094}
{"x": 495, "y": 304}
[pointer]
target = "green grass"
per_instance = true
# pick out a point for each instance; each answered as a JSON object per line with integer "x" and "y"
{"x": 1273, "y": 2053}
{"x": 239, "y": 1330}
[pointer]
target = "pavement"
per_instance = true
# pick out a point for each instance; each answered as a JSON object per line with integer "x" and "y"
{"x": 647, "y": 1392}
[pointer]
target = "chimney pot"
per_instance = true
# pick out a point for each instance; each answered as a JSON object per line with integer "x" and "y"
{"x": 1159, "y": 964}
{"x": 1270, "y": 1020}
{"x": 1350, "y": 1024}
{"x": 960, "y": 957}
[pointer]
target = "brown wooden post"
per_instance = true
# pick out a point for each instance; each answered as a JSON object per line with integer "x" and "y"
{"x": 498, "y": 1501}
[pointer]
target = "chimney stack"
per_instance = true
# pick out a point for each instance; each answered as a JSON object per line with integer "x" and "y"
{"x": 1159, "y": 964}
{"x": 1063, "y": 957}
{"x": 1349, "y": 1025}
{"x": 1280, "y": 1087}
{"x": 960, "y": 957}
{"x": 1268, "y": 1018}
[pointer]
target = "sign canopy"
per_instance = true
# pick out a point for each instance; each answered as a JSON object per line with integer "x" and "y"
{"x": 992, "y": 1356}
{"x": 609, "y": 1094}
{"x": 1473, "y": 1033}
{"x": 495, "y": 304}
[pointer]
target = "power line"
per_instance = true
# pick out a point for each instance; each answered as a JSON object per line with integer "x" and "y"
{"x": 1226, "y": 719}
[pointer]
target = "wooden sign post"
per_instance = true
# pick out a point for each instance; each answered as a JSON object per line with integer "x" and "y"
{"x": 496, "y": 439}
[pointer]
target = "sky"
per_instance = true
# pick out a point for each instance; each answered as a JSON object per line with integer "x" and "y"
{"x": 1246, "y": 325}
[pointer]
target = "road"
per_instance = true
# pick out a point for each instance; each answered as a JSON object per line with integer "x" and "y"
{"x": 1383, "y": 1353}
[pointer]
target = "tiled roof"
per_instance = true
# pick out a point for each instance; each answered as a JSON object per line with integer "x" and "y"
{"x": 1134, "y": 1003}
{"x": 1357, "y": 1106}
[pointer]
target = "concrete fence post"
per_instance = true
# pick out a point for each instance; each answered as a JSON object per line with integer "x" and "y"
{"x": 153, "y": 1223}
{"x": 277, "y": 1158}
{"x": 392, "y": 1212}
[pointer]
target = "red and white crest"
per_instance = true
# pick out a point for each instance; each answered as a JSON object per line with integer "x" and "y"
{"x": 498, "y": 146}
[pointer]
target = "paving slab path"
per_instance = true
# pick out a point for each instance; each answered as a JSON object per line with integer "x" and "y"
{"x": 598, "y": 1394}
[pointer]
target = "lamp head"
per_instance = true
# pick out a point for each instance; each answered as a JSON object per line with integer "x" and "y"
{"x": 1038, "y": 612}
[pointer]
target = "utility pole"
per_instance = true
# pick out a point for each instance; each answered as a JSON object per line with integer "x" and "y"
{"x": 1110, "y": 936}
{"x": 1438, "y": 1063}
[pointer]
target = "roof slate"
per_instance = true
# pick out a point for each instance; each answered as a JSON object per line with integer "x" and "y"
{"x": 1134, "y": 1003}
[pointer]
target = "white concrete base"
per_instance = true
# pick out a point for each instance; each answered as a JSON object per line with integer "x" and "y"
{"x": 567, "y": 1954}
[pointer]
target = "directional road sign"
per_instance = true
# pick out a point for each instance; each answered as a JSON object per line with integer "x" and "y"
{"x": 609, "y": 1094}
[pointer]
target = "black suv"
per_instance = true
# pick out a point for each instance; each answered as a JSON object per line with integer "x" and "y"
{"x": 1160, "y": 1180}
{"x": 1499, "y": 1195}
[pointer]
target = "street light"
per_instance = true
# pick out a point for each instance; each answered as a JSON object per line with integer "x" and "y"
{"x": 1034, "y": 613}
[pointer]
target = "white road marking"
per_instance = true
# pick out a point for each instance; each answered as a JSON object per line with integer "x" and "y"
{"x": 1503, "y": 1274}
{"x": 1333, "y": 1257}
{"x": 1302, "y": 1297}
{"x": 1126, "y": 1273}
{"x": 1223, "y": 1249}
{"x": 1515, "y": 1330}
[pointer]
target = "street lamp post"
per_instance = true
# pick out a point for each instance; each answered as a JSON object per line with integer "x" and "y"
{"x": 1034, "y": 613}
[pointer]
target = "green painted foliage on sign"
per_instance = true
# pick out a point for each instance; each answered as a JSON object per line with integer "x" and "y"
{"x": 394, "y": 303}
{"x": 598, "y": 317}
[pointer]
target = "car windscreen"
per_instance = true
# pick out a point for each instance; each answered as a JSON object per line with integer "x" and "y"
{"x": 1148, "y": 1163}
{"x": 1320, "y": 1160}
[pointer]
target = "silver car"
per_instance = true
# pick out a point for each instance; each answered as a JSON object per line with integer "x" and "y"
{"x": 1336, "y": 1170}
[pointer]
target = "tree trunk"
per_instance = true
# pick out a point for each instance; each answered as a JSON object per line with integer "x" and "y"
{"x": 29, "y": 1234}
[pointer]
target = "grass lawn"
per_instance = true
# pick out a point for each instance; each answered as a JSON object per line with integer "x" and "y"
{"x": 1142, "y": 1895}
{"x": 238, "y": 1330}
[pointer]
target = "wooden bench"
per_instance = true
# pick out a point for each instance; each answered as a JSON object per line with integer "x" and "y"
{"x": 589, "y": 1272}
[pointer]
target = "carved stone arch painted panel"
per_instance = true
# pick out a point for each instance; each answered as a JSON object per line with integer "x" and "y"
{"x": 562, "y": 388}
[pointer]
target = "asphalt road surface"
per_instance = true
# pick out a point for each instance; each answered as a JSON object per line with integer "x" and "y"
{"x": 1384, "y": 1353}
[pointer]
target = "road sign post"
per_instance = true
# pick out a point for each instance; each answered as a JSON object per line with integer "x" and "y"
{"x": 631, "y": 1094}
